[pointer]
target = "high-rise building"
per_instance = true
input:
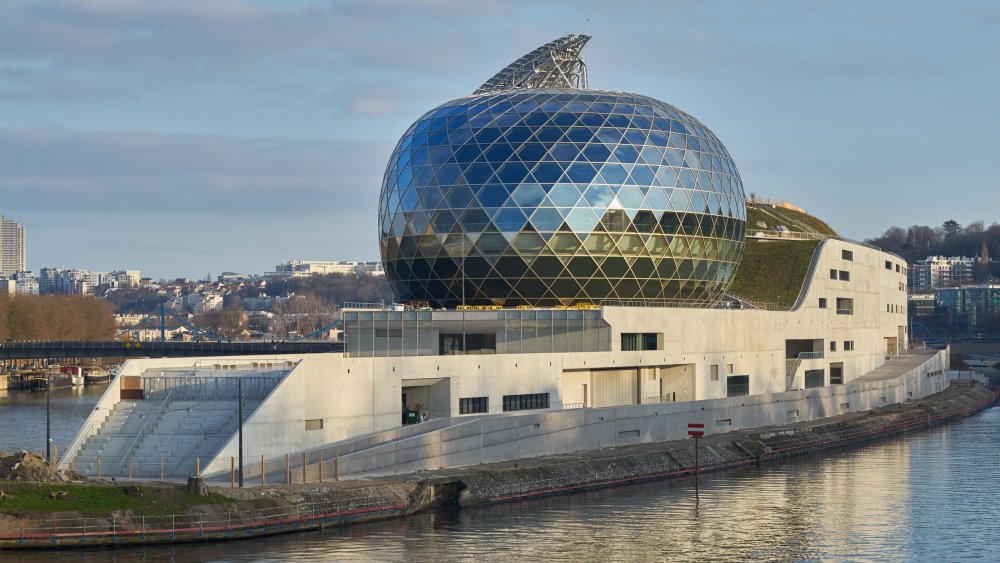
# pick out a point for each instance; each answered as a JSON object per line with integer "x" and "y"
{"x": 12, "y": 256}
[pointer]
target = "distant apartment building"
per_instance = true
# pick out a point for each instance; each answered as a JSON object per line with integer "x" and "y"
{"x": 303, "y": 268}
{"x": 936, "y": 272}
{"x": 76, "y": 281}
{"x": 12, "y": 255}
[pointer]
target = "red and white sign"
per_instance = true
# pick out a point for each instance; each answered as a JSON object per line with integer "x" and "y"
{"x": 696, "y": 430}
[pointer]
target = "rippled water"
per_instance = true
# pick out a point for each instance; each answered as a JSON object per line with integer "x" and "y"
{"x": 928, "y": 496}
{"x": 22, "y": 416}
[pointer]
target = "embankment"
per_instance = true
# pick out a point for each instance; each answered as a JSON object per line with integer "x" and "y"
{"x": 263, "y": 511}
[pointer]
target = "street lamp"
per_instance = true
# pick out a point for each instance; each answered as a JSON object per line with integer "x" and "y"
{"x": 48, "y": 419}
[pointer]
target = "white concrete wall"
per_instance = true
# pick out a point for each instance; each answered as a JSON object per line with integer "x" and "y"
{"x": 501, "y": 438}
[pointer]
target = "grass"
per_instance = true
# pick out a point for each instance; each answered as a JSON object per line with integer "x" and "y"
{"x": 155, "y": 500}
{"x": 773, "y": 271}
{"x": 793, "y": 220}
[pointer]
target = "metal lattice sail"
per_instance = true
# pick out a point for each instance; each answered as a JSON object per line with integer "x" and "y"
{"x": 557, "y": 64}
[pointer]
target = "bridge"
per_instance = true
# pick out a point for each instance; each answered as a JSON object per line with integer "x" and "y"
{"x": 120, "y": 349}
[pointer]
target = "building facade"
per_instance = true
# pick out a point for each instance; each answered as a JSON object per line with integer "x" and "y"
{"x": 13, "y": 257}
{"x": 935, "y": 272}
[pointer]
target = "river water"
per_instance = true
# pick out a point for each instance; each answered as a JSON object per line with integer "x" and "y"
{"x": 926, "y": 496}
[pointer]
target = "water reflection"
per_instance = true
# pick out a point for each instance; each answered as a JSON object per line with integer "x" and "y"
{"x": 925, "y": 496}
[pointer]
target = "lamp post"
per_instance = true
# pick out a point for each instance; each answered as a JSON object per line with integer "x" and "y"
{"x": 239, "y": 391}
{"x": 48, "y": 419}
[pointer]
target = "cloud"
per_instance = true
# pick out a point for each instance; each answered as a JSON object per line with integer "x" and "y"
{"x": 52, "y": 168}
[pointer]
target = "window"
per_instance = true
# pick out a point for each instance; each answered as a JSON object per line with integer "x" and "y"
{"x": 714, "y": 369}
{"x": 815, "y": 378}
{"x": 737, "y": 385}
{"x": 314, "y": 424}
{"x": 845, "y": 306}
{"x": 632, "y": 341}
{"x": 848, "y": 345}
{"x": 833, "y": 274}
{"x": 888, "y": 265}
{"x": 847, "y": 255}
{"x": 822, "y": 302}
{"x": 472, "y": 405}
{"x": 833, "y": 345}
{"x": 898, "y": 269}
{"x": 845, "y": 275}
{"x": 729, "y": 369}
{"x": 525, "y": 402}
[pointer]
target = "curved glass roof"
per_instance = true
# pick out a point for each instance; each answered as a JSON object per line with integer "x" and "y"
{"x": 557, "y": 64}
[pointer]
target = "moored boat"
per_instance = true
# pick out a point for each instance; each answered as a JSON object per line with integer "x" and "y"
{"x": 94, "y": 376}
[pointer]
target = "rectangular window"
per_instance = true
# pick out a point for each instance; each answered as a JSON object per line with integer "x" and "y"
{"x": 847, "y": 255}
{"x": 632, "y": 341}
{"x": 472, "y": 405}
{"x": 848, "y": 345}
{"x": 898, "y": 269}
{"x": 888, "y": 265}
{"x": 833, "y": 274}
{"x": 729, "y": 369}
{"x": 714, "y": 370}
{"x": 822, "y": 302}
{"x": 845, "y": 275}
{"x": 737, "y": 385}
{"x": 314, "y": 424}
{"x": 525, "y": 402}
{"x": 845, "y": 306}
{"x": 833, "y": 345}
{"x": 815, "y": 378}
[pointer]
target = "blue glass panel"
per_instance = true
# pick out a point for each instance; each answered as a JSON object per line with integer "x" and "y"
{"x": 518, "y": 134}
{"x": 565, "y": 152}
{"x": 581, "y": 172}
{"x": 531, "y": 152}
{"x": 512, "y": 173}
{"x": 642, "y": 175}
{"x": 528, "y": 195}
{"x": 509, "y": 220}
{"x": 635, "y": 137}
{"x": 564, "y": 119}
{"x": 535, "y": 119}
{"x": 630, "y": 197}
{"x": 656, "y": 198}
{"x": 582, "y": 220}
{"x": 596, "y": 152}
{"x": 467, "y": 153}
{"x": 640, "y": 122}
{"x": 447, "y": 174}
{"x": 547, "y": 172}
{"x": 422, "y": 175}
{"x": 478, "y": 173}
{"x": 685, "y": 179}
{"x": 409, "y": 200}
{"x": 564, "y": 195}
{"x": 459, "y": 197}
{"x": 444, "y": 221}
{"x": 546, "y": 219}
{"x": 619, "y": 121}
{"x": 657, "y": 138}
{"x": 592, "y": 120}
{"x": 499, "y": 152}
{"x": 431, "y": 198}
{"x": 580, "y": 135}
{"x": 475, "y": 220}
{"x": 674, "y": 157}
{"x": 548, "y": 134}
{"x": 609, "y": 135}
{"x": 404, "y": 177}
{"x": 614, "y": 173}
{"x": 487, "y": 135}
{"x": 599, "y": 196}
{"x": 492, "y": 195}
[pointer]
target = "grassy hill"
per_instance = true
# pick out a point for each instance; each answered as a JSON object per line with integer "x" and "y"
{"x": 772, "y": 270}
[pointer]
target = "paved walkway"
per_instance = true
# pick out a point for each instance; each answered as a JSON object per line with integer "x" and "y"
{"x": 897, "y": 366}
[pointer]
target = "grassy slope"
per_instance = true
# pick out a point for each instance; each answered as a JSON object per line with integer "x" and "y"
{"x": 773, "y": 271}
{"x": 788, "y": 218}
{"x": 155, "y": 500}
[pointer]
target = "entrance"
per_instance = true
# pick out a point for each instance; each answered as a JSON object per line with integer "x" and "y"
{"x": 425, "y": 398}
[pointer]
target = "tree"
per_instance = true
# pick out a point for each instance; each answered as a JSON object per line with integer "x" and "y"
{"x": 228, "y": 323}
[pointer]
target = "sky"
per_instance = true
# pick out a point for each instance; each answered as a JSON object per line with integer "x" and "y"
{"x": 192, "y": 137}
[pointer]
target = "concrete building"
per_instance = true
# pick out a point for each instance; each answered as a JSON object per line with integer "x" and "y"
{"x": 935, "y": 272}
{"x": 584, "y": 282}
{"x": 303, "y": 268}
{"x": 13, "y": 258}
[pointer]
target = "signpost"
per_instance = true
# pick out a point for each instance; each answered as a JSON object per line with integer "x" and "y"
{"x": 696, "y": 430}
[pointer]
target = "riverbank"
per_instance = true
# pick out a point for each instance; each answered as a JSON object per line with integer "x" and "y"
{"x": 263, "y": 511}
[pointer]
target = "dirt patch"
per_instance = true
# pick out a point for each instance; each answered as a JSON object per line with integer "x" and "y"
{"x": 31, "y": 467}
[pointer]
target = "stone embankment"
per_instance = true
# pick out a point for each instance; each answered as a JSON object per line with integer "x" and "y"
{"x": 269, "y": 510}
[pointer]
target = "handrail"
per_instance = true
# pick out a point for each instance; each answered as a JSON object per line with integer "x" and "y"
{"x": 142, "y": 428}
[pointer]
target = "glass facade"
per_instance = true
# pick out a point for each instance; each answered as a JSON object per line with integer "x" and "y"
{"x": 511, "y": 331}
{"x": 549, "y": 197}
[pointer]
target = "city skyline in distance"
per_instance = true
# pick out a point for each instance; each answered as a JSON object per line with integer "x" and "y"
{"x": 184, "y": 138}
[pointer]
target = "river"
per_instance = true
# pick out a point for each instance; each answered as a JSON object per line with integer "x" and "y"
{"x": 925, "y": 496}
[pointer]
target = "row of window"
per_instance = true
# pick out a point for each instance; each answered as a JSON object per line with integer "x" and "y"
{"x": 848, "y": 345}
{"x": 889, "y": 265}
{"x": 890, "y": 308}
{"x": 632, "y": 341}
{"x": 845, "y": 305}
{"x": 842, "y": 275}
{"x": 475, "y": 405}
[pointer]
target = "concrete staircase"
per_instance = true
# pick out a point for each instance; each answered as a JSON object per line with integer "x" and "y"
{"x": 160, "y": 437}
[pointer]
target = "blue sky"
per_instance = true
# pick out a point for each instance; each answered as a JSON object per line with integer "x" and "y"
{"x": 184, "y": 137}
